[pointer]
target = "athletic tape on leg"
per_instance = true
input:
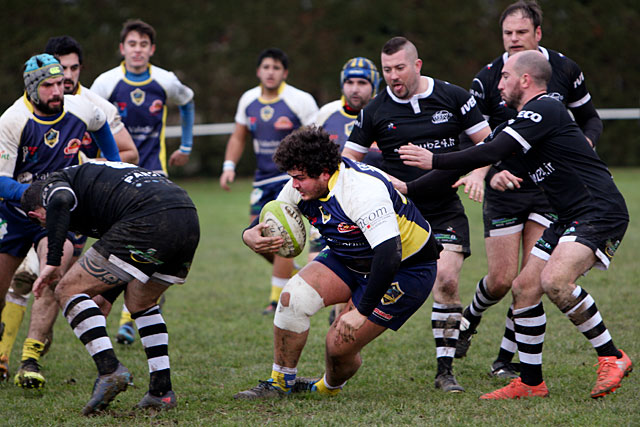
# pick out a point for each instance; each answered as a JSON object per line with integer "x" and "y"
{"x": 304, "y": 302}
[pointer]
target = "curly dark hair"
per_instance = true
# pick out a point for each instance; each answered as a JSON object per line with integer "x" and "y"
{"x": 32, "y": 197}
{"x": 308, "y": 149}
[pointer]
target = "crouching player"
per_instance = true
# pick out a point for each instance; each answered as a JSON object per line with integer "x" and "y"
{"x": 381, "y": 259}
{"x": 148, "y": 231}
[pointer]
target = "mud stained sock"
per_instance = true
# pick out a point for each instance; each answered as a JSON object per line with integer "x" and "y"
{"x": 155, "y": 340}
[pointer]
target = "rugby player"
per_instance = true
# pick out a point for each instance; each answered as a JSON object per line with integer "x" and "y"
{"x": 141, "y": 91}
{"x": 40, "y": 133}
{"x": 148, "y": 234}
{"x": 431, "y": 113}
{"x": 383, "y": 267}
{"x": 592, "y": 218}
{"x": 518, "y": 217}
{"x": 269, "y": 112}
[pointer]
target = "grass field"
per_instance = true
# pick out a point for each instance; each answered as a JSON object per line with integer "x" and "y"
{"x": 220, "y": 344}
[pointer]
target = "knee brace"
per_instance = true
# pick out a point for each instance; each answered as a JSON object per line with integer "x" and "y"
{"x": 304, "y": 302}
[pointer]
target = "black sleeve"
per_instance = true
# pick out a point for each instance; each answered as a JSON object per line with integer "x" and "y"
{"x": 58, "y": 217}
{"x": 387, "y": 257}
{"x": 433, "y": 184}
{"x": 589, "y": 121}
{"x": 472, "y": 158}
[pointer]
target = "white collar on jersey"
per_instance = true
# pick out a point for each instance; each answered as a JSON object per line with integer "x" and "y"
{"x": 415, "y": 98}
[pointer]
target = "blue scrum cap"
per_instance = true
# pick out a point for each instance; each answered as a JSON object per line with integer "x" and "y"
{"x": 363, "y": 68}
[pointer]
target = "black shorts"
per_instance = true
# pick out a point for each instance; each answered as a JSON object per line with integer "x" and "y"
{"x": 450, "y": 227}
{"x": 601, "y": 236}
{"x": 158, "y": 247}
{"x": 506, "y": 212}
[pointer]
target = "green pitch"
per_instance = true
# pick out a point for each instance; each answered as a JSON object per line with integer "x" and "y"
{"x": 221, "y": 344}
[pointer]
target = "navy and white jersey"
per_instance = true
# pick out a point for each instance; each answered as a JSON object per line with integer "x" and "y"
{"x": 567, "y": 85}
{"x": 433, "y": 119}
{"x": 89, "y": 145}
{"x": 560, "y": 160}
{"x": 32, "y": 146}
{"x": 108, "y": 192}
{"x": 336, "y": 121}
{"x": 363, "y": 210}
{"x": 270, "y": 121}
{"x": 143, "y": 108}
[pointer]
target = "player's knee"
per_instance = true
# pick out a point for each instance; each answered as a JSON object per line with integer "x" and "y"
{"x": 298, "y": 302}
{"x": 447, "y": 283}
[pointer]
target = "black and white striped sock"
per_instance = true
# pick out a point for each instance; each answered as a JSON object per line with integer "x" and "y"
{"x": 445, "y": 322}
{"x": 508, "y": 346}
{"x": 530, "y": 324}
{"x": 482, "y": 300}
{"x": 90, "y": 326}
{"x": 155, "y": 340}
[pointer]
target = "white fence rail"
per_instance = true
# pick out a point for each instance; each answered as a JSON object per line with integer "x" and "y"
{"x": 227, "y": 128}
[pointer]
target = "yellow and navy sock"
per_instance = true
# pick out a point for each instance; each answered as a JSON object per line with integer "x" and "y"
{"x": 277, "y": 283}
{"x": 125, "y": 316}
{"x": 283, "y": 378}
{"x": 323, "y": 387}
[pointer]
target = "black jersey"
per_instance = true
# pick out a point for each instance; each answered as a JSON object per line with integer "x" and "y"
{"x": 433, "y": 120}
{"x": 108, "y": 192}
{"x": 560, "y": 160}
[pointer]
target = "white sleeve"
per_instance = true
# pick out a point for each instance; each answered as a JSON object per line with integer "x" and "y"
{"x": 103, "y": 85}
{"x": 289, "y": 195}
{"x": 11, "y": 126}
{"x": 110, "y": 110}
{"x": 177, "y": 92}
{"x": 308, "y": 110}
{"x": 247, "y": 98}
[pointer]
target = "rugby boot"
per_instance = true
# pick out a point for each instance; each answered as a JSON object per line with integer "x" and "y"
{"x": 168, "y": 401}
{"x": 517, "y": 389}
{"x": 467, "y": 331}
{"x": 126, "y": 334}
{"x": 106, "y": 388}
{"x": 611, "y": 370}
{"x": 29, "y": 375}
{"x": 264, "y": 390}
{"x": 447, "y": 382}
{"x": 313, "y": 385}
{"x": 271, "y": 308}
{"x": 4, "y": 368}
{"x": 504, "y": 369}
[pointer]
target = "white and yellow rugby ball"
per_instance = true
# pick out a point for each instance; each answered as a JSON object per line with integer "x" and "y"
{"x": 284, "y": 220}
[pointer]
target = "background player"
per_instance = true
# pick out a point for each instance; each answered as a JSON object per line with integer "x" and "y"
{"x": 269, "y": 112}
{"x": 517, "y": 218}
{"x": 141, "y": 91}
{"x": 431, "y": 113}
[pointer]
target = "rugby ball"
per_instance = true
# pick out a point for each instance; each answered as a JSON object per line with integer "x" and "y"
{"x": 284, "y": 220}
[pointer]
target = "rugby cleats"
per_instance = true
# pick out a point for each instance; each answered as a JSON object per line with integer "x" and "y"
{"x": 314, "y": 385}
{"x": 29, "y": 375}
{"x": 264, "y": 390}
{"x": 271, "y": 308}
{"x": 167, "y": 401}
{"x": 517, "y": 389}
{"x": 502, "y": 369}
{"x": 611, "y": 370}
{"x": 446, "y": 382}
{"x": 106, "y": 388}
{"x": 4, "y": 368}
{"x": 126, "y": 334}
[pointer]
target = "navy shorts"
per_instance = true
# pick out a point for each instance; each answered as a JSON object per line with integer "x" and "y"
{"x": 263, "y": 194}
{"x": 451, "y": 227}
{"x": 78, "y": 241}
{"x": 410, "y": 289}
{"x": 506, "y": 212}
{"x": 601, "y": 236}
{"x": 17, "y": 232}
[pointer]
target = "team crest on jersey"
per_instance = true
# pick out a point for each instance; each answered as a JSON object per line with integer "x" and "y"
{"x": 137, "y": 96}
{"x": 72, "y": 147}
{"x": 326, "y": 217}
{"x": 266, "y": 113}
{"x": 52, "y": 137}
{"x": 156, "y": 106}
{"x": 283, "y": 123}
{"x": 348, "y": 128}
{"x": 394, "y": 293}
{"x": 441, "y": 116}
{"x": 3, "y": 228}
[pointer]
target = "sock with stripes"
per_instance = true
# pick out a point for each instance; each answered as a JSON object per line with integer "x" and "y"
{"x": 155, "y": 340}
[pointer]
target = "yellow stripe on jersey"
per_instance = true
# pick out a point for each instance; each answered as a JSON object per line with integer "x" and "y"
{"x": 413, "y": 236}
{"x": 163, "y": 146}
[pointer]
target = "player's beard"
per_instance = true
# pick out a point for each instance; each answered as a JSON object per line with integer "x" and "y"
{"x": 47, "y": 109}
{"x": 514, "y": 98}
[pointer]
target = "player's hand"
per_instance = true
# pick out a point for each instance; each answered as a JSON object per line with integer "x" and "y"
{"x": 412, "y": 155}
{"x": 258, "y": 243}
{"x": 473, "y": 186}
{"x": 505, "y": 180}
{"x": 401, "y": 186}
{"x": 48, "y": 276}
{"x": 178, "y": 158}
{"x": 349, "y": 323}
{"x": 226, "y": 178}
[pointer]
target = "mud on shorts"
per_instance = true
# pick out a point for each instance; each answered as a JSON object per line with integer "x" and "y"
{"x": 506, "y": 212}
{"x": 263, "y": 194}
{"x": 410, "y": 288}
{"x": 601, "y": 236}
{"x": 450, "y": 227}
{"x": 158, "y": 247}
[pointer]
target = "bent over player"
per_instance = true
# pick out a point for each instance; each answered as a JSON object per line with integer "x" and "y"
{"x": 592, "y": 219}
{"x": 381, "y": 259}
{"x": 148, "y": 231}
